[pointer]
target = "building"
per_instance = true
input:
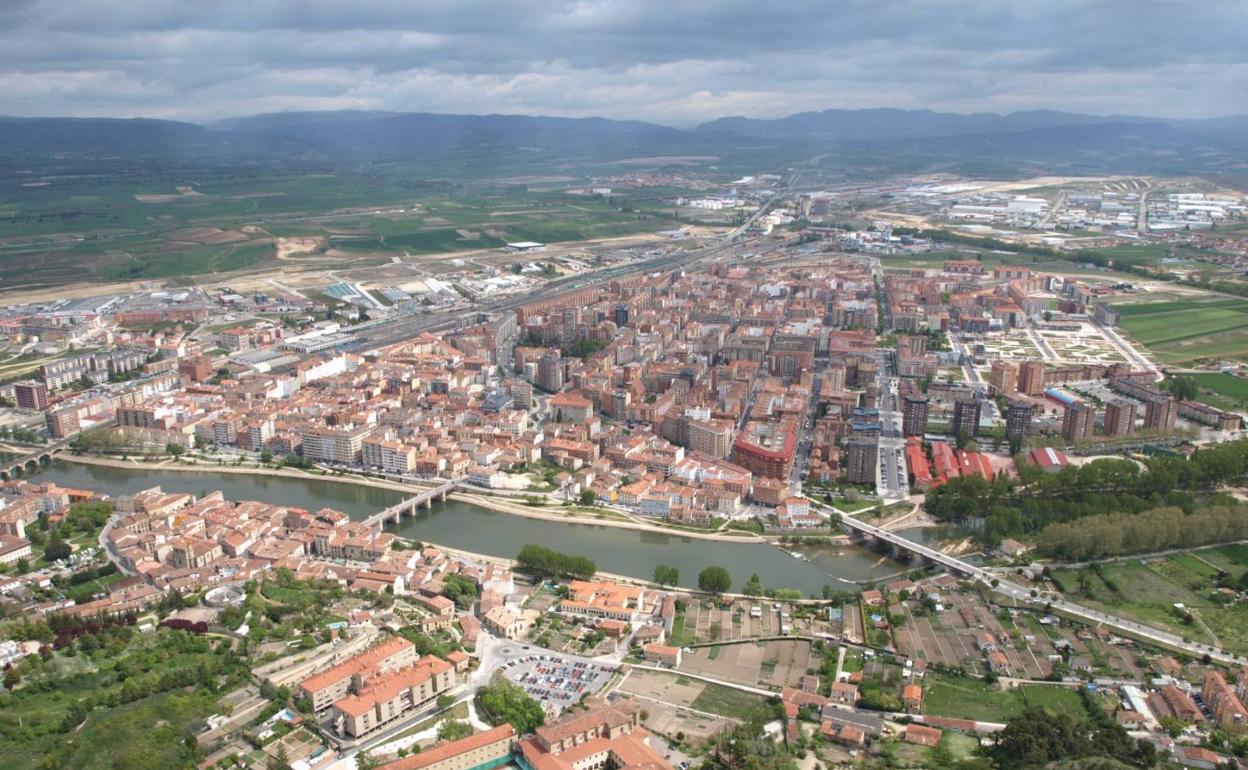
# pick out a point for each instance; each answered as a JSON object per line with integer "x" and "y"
{"x": 711, "y": 437}
{"x": 1031, "y": 378}
{"x": 383, "y": 698}
{"x": 13, "y": 548}
{"x": 603, "y": 737}
{"x": 32, "y": 395}
{"x": 1119, "y": 417}
{"x": 550, "y": 371}
{"x": 1105, "y": 315}
{"x": 1018, "y": 414}
{"x": 602, "y": 599}
{"x": 966, "y": 415}
{"x": 864, "y": 455}
{"x": 914, "y": 412}
{"x": 333, "y": 684}
{"x": 766, "y": 449}
{"x": 504, "y": 622}
{"x": 1228, "y": 711}
{"x": 1160, "y": 412}
{"x": 482, "y": 751}
{"x": 1077, "y": 422}
{"x": 1002, "y": 378}
{"x": 661, "y": 654}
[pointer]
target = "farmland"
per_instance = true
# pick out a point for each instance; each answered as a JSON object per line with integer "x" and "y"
{"x": 971, "y": 698}
{"x": 1224, "y": 391}
{"x": 1186, "y": 330}
{"x": 121, "y": 230}
{"x": 1148, "y": 589}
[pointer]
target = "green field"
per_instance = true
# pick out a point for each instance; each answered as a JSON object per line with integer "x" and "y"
{"x": 968, "y": 698}
{"x": 122, "y": 230}
{"x": 1185, "y": 330}
{"x": 729, "y": 702}
{"x": 1224, "y": 391}
{"x": 1149, "y": 589}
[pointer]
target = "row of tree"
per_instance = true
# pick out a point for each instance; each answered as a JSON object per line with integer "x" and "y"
{"x": 1118, "y": 534}
{"x": 1036, "y": 500}
{"x": 546, "y": 562}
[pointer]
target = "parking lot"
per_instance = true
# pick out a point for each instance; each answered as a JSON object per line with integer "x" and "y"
{"x": 558, "y": 680}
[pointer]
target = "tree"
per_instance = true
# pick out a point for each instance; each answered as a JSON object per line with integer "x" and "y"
{"x": 56, "y": 548}
{"x": 666, "y": 575}
{"x": 23, "y": 566}
{"x": 547, "y": 562}
{"x": 280, "y": 760}
{"x": 753, "y": 586}
{"x": 453, "y": 730}
{"x": 588, "y": 497}
{"x": 715, "y": 580}
{"x": 174, "y": 450}
{"x": 266, "y": 457}
{"x": 503, "y": 701}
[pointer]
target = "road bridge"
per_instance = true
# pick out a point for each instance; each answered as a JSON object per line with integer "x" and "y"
{"x": 408, "y": 507}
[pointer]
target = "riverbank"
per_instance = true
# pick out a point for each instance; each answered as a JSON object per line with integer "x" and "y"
{"x": 492, "y": 502}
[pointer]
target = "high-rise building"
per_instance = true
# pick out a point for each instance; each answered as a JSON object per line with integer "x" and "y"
{"x": 914, "y": 412}
{"x": 1077, "y": 422}
{"x": 31, "y": 395}
{"x": 864, "y": 455}
{"x": 1160, "y": 412}
{"x": 1002, "y": 378}
{"x": 1018, "y": 414}
{"x": 966, "y": 414}
{"x": 1119, "y": 417}
{"x": 1031, "y": 378}
{"x": 550, "y": 371}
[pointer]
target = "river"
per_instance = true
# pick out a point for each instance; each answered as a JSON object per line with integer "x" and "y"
{"x": 472, "y": 528}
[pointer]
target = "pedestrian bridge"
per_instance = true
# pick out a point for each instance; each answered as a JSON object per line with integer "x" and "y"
{"x": 32, "y": 462}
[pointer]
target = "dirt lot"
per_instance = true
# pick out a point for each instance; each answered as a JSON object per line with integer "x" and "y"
{"x": 667, "y": 700}
{"x": 774, "y": 664}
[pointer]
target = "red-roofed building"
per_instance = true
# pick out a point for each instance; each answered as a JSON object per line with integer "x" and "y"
{"x": 917, "y": 465}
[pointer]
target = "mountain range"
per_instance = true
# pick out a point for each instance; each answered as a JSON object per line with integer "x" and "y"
{"x": 1035, "y": 140}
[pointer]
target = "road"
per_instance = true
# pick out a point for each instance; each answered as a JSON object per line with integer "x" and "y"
{"x": 1023, "y": 594}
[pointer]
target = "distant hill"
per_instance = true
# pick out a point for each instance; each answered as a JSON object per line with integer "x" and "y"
{"x": 881, "y": 140}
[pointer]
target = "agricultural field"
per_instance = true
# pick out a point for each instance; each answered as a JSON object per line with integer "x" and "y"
{"x": 1147, "y": 590}
{"x": 969, "y": 698}
{"x": 118, "y": 230}
{"x": 1221, "y": 390}
{"x": 1185, "y": 330}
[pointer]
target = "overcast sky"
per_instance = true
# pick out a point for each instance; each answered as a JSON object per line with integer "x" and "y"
{"x": 676, "y": 62}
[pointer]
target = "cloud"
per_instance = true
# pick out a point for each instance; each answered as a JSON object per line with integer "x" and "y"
{"x": 673, "y": 62}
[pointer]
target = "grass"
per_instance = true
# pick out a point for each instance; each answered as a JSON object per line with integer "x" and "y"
{"x": 1150, "y": 589}
{"x": 729, "y": 702}
{"x": 457, "y": 712}
{"x": 1188, "y": 329}
{"x": 679, "y": 637}
{"x": 1227, "y": 390}
{"x": 968, "y": 698}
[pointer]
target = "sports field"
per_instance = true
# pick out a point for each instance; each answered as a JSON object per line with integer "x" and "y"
{"x": 1185, "y": 330}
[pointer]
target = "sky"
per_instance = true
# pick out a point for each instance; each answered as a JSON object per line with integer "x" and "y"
{"x": 675, "y": 62}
